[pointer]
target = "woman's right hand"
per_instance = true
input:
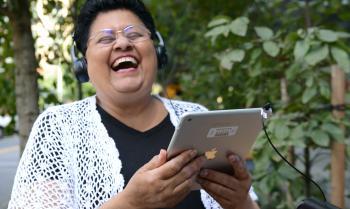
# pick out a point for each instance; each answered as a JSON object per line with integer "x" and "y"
{"x": 161, "y": 183}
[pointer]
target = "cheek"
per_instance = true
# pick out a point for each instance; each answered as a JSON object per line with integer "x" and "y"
{"x": 151, "y": 58}
{"x": 96, "y": 62}
{"x": 97, "y": 68}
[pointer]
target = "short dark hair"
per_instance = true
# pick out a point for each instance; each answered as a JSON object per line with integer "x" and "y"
{"x": 92, "y": 8}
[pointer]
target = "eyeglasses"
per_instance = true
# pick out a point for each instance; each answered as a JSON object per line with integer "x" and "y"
{"x": 107, "y": 37}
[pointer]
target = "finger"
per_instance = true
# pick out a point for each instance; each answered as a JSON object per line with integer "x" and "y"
{"x": 175, "y": 165}
{"x": 217, "y": 191}
{"x": 184, "y": 188}
{"x": 220, "y": 178}
{"x": 162, "y": 157}
{"x": 155, "y": 162}
{"x": 239, "y": 168}
{"x": 189, "y": 171}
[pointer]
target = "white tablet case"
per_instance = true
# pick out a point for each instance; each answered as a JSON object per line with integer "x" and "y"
{"x": 217, "y": 131}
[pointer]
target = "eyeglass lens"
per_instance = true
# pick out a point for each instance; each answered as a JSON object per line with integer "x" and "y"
{"x": 133, "y": 34}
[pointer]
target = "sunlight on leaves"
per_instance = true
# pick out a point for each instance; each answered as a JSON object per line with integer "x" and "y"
{"x": 342, "y": 58}
{"x": 239, "y": 26}
{"x": 317, "y": 55}
{"x": 271, "y": 48}
{"x": 264, "y": 33}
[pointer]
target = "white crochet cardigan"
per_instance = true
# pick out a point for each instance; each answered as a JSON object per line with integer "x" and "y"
{"x": 71, "y": 162}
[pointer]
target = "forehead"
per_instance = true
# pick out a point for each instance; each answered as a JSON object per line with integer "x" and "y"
{"x": 118, "y": 19}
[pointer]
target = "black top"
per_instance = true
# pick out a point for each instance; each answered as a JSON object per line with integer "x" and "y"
{"x": 137, "y": 148}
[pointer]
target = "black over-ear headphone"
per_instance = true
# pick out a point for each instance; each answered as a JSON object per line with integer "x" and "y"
{"x": 80, "y": 64}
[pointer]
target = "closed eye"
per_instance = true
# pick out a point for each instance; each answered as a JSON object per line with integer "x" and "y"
{"x": 106, "y": 39}
{"x": 134, "y": 35}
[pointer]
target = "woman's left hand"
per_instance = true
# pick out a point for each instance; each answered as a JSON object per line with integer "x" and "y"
{"x": 230, "y": 191}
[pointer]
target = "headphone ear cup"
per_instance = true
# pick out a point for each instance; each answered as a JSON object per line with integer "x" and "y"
{"x": 80, "y": 70}
{"x": 79, "y": 66}
{"x": 161, "y": 51}
{"x": 161, "y": 56}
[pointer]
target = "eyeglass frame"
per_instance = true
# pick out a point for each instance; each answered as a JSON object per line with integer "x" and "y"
{"x": 116, "y": 32}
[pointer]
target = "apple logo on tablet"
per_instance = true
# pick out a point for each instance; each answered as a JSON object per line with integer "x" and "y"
{"x": 211, "y": 154}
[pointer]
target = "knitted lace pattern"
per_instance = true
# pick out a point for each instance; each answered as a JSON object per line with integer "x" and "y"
{"x": 71, "y": 162}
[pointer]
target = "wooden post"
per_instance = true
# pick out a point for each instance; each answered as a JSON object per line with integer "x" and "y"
{"x": 338, "y": 149}
{"x": 290, "y": 157}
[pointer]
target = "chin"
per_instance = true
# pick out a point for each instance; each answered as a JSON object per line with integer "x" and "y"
{"x": 127, "y": 88}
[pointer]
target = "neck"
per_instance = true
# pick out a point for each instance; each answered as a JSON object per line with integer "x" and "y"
{"x": 141, "y": 114}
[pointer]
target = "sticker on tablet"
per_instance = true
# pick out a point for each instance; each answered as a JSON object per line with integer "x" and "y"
{"x": 211, "y": 154}
{"x": 222, "y": 131}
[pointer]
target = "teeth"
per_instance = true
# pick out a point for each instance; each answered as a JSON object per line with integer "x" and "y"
{"x": 124, "y": 59}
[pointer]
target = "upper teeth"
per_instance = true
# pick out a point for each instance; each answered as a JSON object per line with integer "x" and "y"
{"x": 124, "y": 59}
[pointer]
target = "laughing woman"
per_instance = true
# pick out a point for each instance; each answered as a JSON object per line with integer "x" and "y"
{"x": 107, "y": 151}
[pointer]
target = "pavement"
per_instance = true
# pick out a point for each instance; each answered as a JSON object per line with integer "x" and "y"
{"x": 9, "y": 157}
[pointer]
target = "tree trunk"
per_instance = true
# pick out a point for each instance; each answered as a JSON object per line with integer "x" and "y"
{"x": 338, "y": 149}
{"x": 25, "y": 70}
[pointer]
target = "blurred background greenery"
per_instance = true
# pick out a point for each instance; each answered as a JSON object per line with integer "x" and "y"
{"x": 223, "y": 54}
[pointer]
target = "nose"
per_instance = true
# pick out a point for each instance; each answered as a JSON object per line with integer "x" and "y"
{"x": 122, "y": 43}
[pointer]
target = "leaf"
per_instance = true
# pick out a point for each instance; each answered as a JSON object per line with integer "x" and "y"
{"x": 216, "y": 31}
{"x": 236, "y": 55}
{"x": 284, "y": 171}
{"x": 226, "y": 63}
{"x": 239, "y": 26}
{"x": 342, "y": 58}
{"x": 293, "y": 71}
{"x": 342, "y": 34}
{"x": 218, "y": 21}
{"x": 317, "y": 55}
{"x": 297, "y": 135}
{"x": 327, "y": 35}
{"x": 301, "y": 33}
{"x": 255, "y": 69}
{"x": 281, "y": 131}
{"x": 310, "y": 81}
{"x": 264, "y": 33}
{"x": 300, "y": 49}
{"x": 308, "y": 94}
{"x": 324, "y": 89}
{"x": 336, "y": 132}
{"x": 320, "y": 138}
{"x": 271, "y": 48}
{"x": 227, "y": 59}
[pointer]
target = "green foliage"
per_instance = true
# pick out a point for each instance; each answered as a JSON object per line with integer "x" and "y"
{"x": 237, "y": 59}
{"x": 256, "y": 53}
{"x": 7, "y": 81}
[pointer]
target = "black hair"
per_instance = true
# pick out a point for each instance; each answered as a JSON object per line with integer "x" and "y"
{"x": 92, "y": 8}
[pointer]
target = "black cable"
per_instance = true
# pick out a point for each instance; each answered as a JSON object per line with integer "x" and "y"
{"x": 291, "y": 165}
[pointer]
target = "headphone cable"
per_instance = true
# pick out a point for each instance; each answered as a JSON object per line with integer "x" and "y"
{"x": 291, "y": 165}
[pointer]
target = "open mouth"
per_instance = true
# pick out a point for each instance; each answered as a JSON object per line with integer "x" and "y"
{"x": 124, "y": 63}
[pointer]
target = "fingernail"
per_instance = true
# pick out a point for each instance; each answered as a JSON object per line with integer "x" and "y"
{"x": 203, "y": 173}
{"x": 193, "y": 153}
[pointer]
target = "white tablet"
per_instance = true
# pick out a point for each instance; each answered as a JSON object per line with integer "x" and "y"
{"x": 215, "y": 133}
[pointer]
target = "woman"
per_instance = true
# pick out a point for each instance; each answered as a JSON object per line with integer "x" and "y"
{"x": 107, "y": 151}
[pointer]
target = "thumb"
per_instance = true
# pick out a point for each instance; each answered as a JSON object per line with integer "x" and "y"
{"x": 156, "y": 161}
{"x": 162, "y": 157}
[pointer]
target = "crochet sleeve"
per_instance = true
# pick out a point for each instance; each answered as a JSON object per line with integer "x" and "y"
{"x": 43, "y": 178}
